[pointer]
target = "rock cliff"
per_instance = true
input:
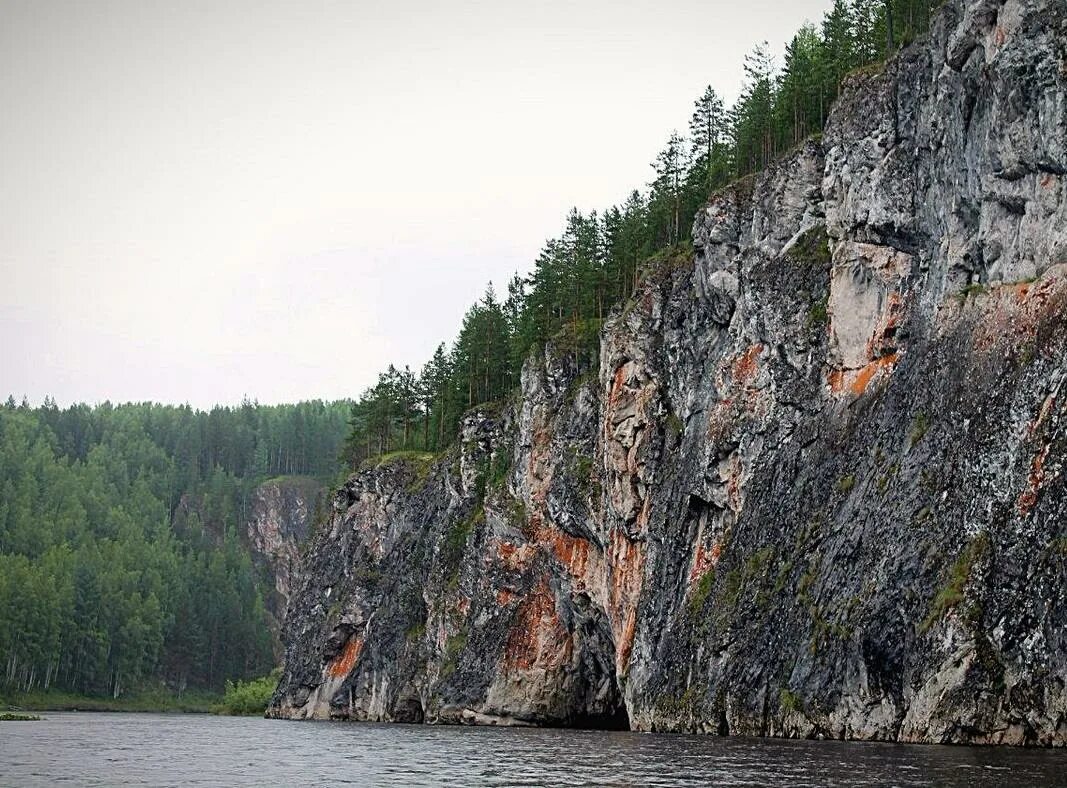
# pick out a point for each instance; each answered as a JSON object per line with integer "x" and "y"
{"x": 281, "y": 519}
{"x": 815, "y": 487}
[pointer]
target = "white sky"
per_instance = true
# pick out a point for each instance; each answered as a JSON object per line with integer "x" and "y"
{"x": 205, "y": 200}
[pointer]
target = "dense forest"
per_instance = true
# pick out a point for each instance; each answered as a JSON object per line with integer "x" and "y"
{"x": 600, "y": 258}
{"x": 121, "y": 560}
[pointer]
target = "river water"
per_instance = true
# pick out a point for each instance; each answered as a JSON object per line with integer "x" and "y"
{"x": 158, "y": 749}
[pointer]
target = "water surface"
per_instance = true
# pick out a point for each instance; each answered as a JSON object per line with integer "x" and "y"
{"x": 79, "y": 748}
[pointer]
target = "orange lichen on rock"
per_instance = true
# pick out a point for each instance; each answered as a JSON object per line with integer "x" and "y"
{"x": 625, "y": 641}
{"x": 512, "y": 557}
{"x": 1014, "y": 314}
{"x": 504, "y": 597}
{"x": 571, "y": 551}
{"x": 627, "y": 569}
{"x": 1028, "y": 499}
{"x": 341, "y": 665}
{"x": 537, "y": 638}
{"x": 866, "y": 375}
{"x": 617, "y": 381}
{"x": 704, "y": 560}
{"x": 836, "y": 380}
{"x": 745, "y": 367}
{"x": 883, "y": 341}
{"x": 1042, "y": 415}
{"x": 858, "y": 381}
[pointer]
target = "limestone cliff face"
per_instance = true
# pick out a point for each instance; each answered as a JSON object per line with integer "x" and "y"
{"x": 280, "y": 521}
{"x": 816, "y": 486}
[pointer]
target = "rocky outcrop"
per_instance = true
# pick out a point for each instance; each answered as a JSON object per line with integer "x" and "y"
{"x": 282, "y": 516}
{"x": 815, "y": 487}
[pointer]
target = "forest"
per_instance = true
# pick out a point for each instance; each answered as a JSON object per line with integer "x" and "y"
{"x": 122, "y": 564}
{"x": 599, "y": 258}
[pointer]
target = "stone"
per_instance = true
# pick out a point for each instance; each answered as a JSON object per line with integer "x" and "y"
{"x": 814, "y": 488}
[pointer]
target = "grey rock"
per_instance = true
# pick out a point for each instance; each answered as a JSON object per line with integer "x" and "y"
{"x": 815, "y": 487}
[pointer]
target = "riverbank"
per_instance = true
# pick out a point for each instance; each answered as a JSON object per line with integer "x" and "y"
{"x": 187, "y": 703}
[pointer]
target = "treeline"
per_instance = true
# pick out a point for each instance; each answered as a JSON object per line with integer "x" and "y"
{"x": 247, "y": 440}
{"x": 121, "y": 562}
{"x": 600, "y": 258}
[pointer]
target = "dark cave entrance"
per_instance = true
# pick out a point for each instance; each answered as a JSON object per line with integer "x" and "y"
{"x": 618, "y": 720}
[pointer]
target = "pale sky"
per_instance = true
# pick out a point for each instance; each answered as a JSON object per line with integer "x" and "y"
{"x": 205, "y": 200}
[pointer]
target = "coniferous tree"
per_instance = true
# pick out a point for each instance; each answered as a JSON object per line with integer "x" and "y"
{"x": 671, "y": 166}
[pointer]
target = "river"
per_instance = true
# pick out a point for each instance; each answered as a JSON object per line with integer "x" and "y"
{"x": 156, "y": 749}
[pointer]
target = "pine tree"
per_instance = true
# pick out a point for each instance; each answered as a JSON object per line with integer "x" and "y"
{"x": 671, "y": 166}
{"x": 706, "y": 132}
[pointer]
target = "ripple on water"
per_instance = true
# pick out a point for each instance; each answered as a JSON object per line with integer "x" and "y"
{"x": 148, "y": 749}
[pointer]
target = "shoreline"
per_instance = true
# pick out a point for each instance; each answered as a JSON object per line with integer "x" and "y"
{"x": 151, "y": 704}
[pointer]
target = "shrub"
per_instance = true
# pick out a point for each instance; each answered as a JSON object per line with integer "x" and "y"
{"x": 789, "y": 701}
{"x": 249, "y": 698}
{"x": 951, "y": 594}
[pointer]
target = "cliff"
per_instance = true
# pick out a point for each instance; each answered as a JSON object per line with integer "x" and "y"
{"x": 280, "y": 521}
{"x": 815, "y": 487}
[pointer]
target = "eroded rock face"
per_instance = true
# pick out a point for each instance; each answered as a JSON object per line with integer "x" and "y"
{"x": 280, "y": 521}
{"x": 815, "y": 487}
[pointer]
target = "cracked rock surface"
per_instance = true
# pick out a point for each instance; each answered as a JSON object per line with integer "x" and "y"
{"x": 816, "y": 486}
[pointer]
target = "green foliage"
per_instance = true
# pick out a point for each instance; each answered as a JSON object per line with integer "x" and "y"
{"x": 952, "y": 593}
{"x": 684, "y": 705}
{"x": 120, "y": 563}
{"x": 812, "y": 248}
{"x": 818, "y": 315}
{"x": 580, "y": 467}
{"x": 1059, "y": 546}
{"x": 918, "y": 429}
{"x": 420, "y": 459}
{"x": 248, "y": 698}
{"x": 155, "y": 699}
{"x": 700, "y": 594}
{"x": 517, "y": 513}
{"x": 846, "y": 483}
{"x": 454, "y": 646}
{"x": 731, "y": 590}
{"x": 790, "y": 701}
{"x": 420, "y": 463}
{"x": 455, "y": 544}
{"x": 499, "y": 467}
{"x": 973, "y": 289}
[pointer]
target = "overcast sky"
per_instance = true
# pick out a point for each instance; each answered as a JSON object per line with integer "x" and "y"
{"x": 205, "y": 200}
